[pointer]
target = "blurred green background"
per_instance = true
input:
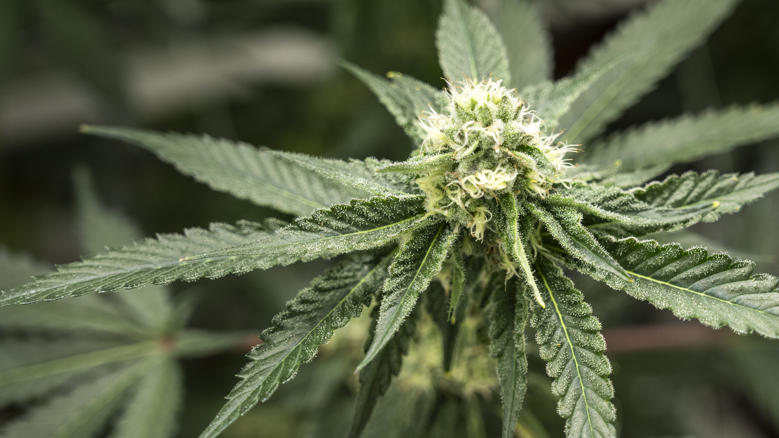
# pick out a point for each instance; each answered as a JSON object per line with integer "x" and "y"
{"x": 265, "y": 72}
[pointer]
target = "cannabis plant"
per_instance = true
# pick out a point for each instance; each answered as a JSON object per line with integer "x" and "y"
{"x": 462, "y": 246}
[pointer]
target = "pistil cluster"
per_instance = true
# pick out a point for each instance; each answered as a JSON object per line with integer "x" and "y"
{"x": 489, "y": 143}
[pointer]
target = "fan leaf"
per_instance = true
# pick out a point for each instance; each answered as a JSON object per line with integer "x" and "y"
{"x": 418, "y": 260}
{"x": 529, "y": 48}
{"x": 687, "y": 138}
{"x": 508, "y": 317}
{"x": 572, "y": 345}
{"x": 404, "y": 97}
{"x": 469, "y": 45}
{"x": 309, "y": 320}
{"x": 645, "y": 49}
{"x": 713, "y": 288}
{"x": 240, "y": 169}
{"x": 151, "y": 411}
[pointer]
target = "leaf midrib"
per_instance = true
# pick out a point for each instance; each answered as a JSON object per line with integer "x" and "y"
{"x": 570, "y": 346}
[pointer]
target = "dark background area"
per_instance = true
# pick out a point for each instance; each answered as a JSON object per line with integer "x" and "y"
{"x": 265, "y": 72}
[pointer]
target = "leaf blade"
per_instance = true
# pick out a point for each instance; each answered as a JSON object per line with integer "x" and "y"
{"x": 469, "y": 45}
{"x": 527, "y": 42}
{"x": 309, "y": 320}
{"x": 418, "y": 260}
{"x": 579, "y": 367}
{"x": 239, "y": 169}
{"x": 654, "y": 42}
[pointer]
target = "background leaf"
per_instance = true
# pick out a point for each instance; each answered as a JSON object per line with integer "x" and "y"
{"x": 469, "y": 45}
{"x": 528, "y": 46}
{"x": 652, "y": 42}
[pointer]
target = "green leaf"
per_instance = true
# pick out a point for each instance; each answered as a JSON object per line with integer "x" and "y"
{"x": 376, "y": 377}
{"x": 151, "y": 411}
{"x": 469, "y": 45}
{"x": 83, "y": 43}
{"x": 309, "y": 320}
{"x": 646, "y": 48}
{"x": 508, "y": 317}
{"x": 192, "y": 343}
{"x": 16, "y": 269}
{"x": 687, "y": 239}
{"x": 550, "y": 100}
{"x": 354, "y": 173}
{"x": 715, "y": 289}
{"x": 564, "y": 224}
{"x": 101, "y": 228}
{"x": 418, "y": 260}
{"x": 572, "y": 345}
{"x": 365, "y": 224}
{"x": 82, "y": 412}
{"x": 405, "y": 97}
{"x": 512, "y": 240}
{"x": 419, "y": 164}
{"x": 529, "y": 49}
{"x": 437, "y": 306}
{"x": 687, "y": 138}
{"x": 681, "y": 201}
{"x": 152, "y": 261}
{"x": 240, "y": 169}
{"x": 27, "y": 353}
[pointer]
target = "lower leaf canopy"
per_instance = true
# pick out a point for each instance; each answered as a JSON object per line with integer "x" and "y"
{"x": 310, "y": 319}
{"x": 573, "y": 347}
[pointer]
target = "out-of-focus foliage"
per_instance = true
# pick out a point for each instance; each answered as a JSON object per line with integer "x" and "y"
{"x": 722, "y": 387}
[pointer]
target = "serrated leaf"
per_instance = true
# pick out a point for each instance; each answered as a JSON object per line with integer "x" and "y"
{"x": 364, "y": 224}
{"x": 240, "y": 169}
{"x": 508, "y": 316}
{"x": 681, "y": 201}
{"x": 309, "y": 320}
{"x": 83, "y": 411}
{"x": 83, "y": 43}
{"x": 647, "y": 47}
{"x": 469, "y": 45}
{"x": 528, "y": 46}
{"x": 376, "y": 377}
{"x": 16, "y": 269}
{"x": 151, "y": 410}
{"x": 513, "y": 242}
{"x": 572, "y": 345}
{"x": 358, "y": 174}
{"x": 688, "y": 239}
{"x": 151, "y": 261}
{"x": 404, "y": 97}
{"x": 100, "y": 228}
{"x": 550, "y": 100}
{"x": 564, "y": 224}
{"x": 418, "y": 260}
{"x": 687, "y": 138}
{"x": 419, "y": 164}
{"x": 715, "y": 289}
{"x": 437, "y": 306}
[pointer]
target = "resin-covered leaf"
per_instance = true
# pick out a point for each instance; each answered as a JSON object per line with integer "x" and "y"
{"x": 364, "y": 224}
{"x": 151, "y": 261}
{"x": 404, "y": 97}
{"x": 677, "y": 202}
{"x": 687, "y": 138}
{"x": 293, "y": 339}
{"x": 376, "y": 377}
{"x": 713, "y": 288}
{"x": 469, "y": 46}
{"x": 418, "y": 260}
{"x": 151, "y": 410}
{"x": 513, "y": 242}
{"x": 646, "y": 48}
{"x": 241, "y": 170}
{"x": 564, "y": 224}
{"x": 528, "y": 45}
{"x": 508, "y": 317}
{"x": 572, "y": 345}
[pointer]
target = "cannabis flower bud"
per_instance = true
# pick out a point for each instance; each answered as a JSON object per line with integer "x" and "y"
{"x": 488, "y": 143}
